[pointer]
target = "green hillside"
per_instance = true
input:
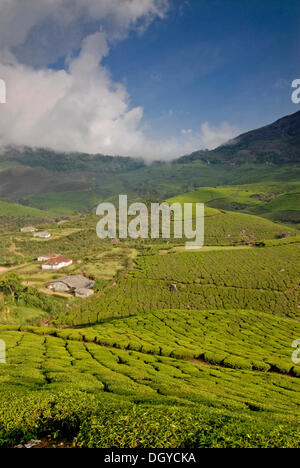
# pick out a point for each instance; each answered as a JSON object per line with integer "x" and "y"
{"x": 65, "y": 203}
{"x": 137, "y": 365}
{"x": 276, "y": 201}
{"x": 226, "y": 338}
{"x": 69, "y": 384}
{"x": 277, "y": 143}
{"x": 63, "y": 182}
{"x": 175, "y": 348}
{"x": 17, "y": 210}
{"x": 222, "y": 279}
{"x": 14, "y": 215}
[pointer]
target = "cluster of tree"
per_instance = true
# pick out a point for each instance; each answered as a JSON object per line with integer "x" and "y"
{"x": 15, "y": 292}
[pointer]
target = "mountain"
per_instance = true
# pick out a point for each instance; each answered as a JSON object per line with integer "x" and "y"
{"x": 278, "y": 143}
{"x": 28, "y": 171}
{"x": 48, "y": 180}
{"x": 67, "y": 162}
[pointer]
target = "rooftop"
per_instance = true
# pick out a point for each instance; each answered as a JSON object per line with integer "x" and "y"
{"x": 83, "y": 292}
{"x": 53, "y": 255}
{"x": 58, "y": 260}
{"x": 75, "y": 282}
{"x": 42, "y": 234}
{"x": 28, "y": 228}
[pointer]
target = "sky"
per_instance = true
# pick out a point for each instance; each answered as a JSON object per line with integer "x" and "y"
{"x": 144, "y": 78}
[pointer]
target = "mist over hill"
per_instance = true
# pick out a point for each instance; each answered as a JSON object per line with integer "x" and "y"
{"x": 26, "y": 172}
{"x": 277, "y": 143}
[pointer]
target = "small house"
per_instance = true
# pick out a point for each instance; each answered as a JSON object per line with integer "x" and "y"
{"x": 58, "y": 286}
{"x": 28, "y": 229}
{"x": 42, "y": 235}
{"x": 47, "y": 257}
{"x": 72, "y": 284}
{"x": 57, "y": 263}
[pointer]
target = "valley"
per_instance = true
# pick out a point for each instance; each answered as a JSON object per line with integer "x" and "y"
{"x": 173, "y": 347}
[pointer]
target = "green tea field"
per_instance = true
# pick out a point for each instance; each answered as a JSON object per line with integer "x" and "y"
{"x": 176, "y": 348}
{"x": 54, "y": 383}
{"x": 149, "y": 227}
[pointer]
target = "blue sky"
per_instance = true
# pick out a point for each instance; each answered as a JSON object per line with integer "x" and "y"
{"x": 145, "y": 78}
{"x": 213, "y": 60}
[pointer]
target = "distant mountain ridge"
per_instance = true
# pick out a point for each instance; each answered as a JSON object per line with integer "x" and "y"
{"x": 34, "y": 176}
{"x": 277, "y": 143}
{"x": 71, "y": 162}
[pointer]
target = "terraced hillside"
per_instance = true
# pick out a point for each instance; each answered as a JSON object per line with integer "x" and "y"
{"x": 66, "y": 382}
{"x": 217, "y": 279}
{"x": 276, "y": 201}
{"x": 175, "y": 348}
{"x": 234, "y": 339}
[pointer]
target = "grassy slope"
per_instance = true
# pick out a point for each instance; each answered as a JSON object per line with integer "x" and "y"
{"x": 17, "y": 210}
{"x": 279, "y": 201}
{"x": 287, "y": 201}
{"x": 156, "y": 180}
{"x": 65, "y": 203}
{"x": 209, "y": 280}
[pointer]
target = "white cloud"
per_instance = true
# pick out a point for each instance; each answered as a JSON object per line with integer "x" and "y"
{"x": 81, "y": 108}
{"x": 19, "y": 18}
{"x": 208, "y": 136}
{"x": 212, "y": 136}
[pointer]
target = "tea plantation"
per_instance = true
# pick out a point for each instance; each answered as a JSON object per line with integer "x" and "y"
{"x": 175, "y": 348}
{"x": 205, "y": 280}
{"x": 106, "y": 396}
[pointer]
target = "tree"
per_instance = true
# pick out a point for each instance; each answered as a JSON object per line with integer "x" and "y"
{"x": 11, "y": 284}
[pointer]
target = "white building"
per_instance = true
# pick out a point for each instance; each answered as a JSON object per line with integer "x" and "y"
{"x": 57, "y": 263}
{"x": 28, "y": 229}
{"x": 43, "y": 235}
{"x": 46, "y": 258}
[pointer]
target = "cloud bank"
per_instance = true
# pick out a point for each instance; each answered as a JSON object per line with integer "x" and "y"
{"x": 80, "y": 108}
